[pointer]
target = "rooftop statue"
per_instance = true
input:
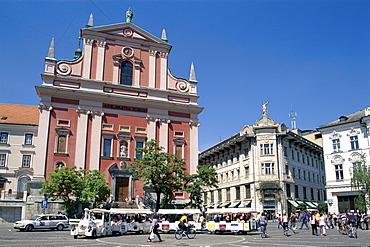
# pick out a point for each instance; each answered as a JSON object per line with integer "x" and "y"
{"x": 264, "y": 108}
{"x": 129, "y": 15}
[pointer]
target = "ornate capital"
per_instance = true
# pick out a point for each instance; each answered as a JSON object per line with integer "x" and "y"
{"x": 43, "y": 107}
{"x": 83, "y": 111}
{"x": 151, "y": 119}
{"x": 164, "y": 55}
{"x": 152, "y": 53}
{"x": 194, "y": 123}
{"x": 89, "y": 41}
{"x": 163, "y": 120}
{"x": 101, "y": 43}
{"x": 97, "y": 113}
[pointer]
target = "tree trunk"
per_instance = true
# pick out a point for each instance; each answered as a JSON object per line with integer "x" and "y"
{"x": 158, "y": 202}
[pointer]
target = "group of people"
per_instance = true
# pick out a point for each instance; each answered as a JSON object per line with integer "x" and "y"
{"x": 118, "y": 219}
{"x": 318, "y": 222}
{"x": 240, "y": 217}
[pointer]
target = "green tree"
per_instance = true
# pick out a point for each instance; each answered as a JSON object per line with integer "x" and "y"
{"x": 322, "y": 207}
{"x": 74, "y": 186}
{"x": 95, "y": 187}
{"x": 360, "y": 181}
{"x": 195, "y": 184}
{"x": 159, "y": 170}
{"x": 302, "y": 207}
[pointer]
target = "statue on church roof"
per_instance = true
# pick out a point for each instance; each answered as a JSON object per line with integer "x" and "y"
{"x": 129, "y": 15}
{"x": 264, "y": 108}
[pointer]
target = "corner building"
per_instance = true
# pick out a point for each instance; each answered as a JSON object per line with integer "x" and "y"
{"x": 116, "y": 94}
{"x": 266, "y": 167}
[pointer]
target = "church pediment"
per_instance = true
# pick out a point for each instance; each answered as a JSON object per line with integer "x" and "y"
{"x": 124, "y": 30}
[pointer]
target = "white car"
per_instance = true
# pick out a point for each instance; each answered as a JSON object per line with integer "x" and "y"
{"x": 47, "y": 221}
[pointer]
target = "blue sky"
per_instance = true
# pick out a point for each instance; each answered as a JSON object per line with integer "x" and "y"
{"x": 312, "y": 57}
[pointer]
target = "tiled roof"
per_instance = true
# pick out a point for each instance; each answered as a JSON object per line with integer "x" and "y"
{"x": 356, "y": 116}
{"x": 19, "y": 114}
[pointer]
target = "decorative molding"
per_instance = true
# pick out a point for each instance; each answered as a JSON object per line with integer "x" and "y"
{"x": 97, "y": 113}
{"x": 353, "y": 132}
{"x": 127, "y": 52}
{"x": 83, "y": 111}
{"x": 127, "y": 33}
{"x": 335, "y": 135}
{"x": 163, "y": 120}
{"x": 116, "y": 59}
{"x": 64, "y": 69}
{"x": 182, "y": 86}
{"x": 337, "y": 160}
{"x": 355, "y": 157}
{"x": 151, "y": 119}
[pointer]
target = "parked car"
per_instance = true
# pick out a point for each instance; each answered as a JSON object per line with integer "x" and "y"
{"x": 46, "y": 221}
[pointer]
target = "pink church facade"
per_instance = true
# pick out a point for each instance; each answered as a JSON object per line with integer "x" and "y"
{"x": 111, "y": 98}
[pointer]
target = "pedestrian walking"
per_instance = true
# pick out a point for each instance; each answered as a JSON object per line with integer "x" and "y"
{"x": 304, "y": 218}
{"x": 292, "y": 221}
{"x": 322, "y": 224}
{"x": 154, "y": 229}
{"x": 279, "y": 222}
{"x": 313, "y": 224}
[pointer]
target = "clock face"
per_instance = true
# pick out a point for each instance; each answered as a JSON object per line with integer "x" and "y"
{"x": 127, "y": 51}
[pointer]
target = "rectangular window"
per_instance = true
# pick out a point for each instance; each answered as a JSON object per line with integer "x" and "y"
{"x": 304, "y": 193}
{"x": 288, "y": 193}
{"x": 139, "y": 155}
{"x": 26, "y": 161}
{"x": 107, "y": 127}
{"x": 178, "y": 151}
{"x": 2, "y": 160}
{"x": 248, "y": 191}
{"x": 179, "y": 133}
{"x": 339, "y": 171}
{"x": 140, "y": 130}
{"x": 292, "y": 154}
{"x": 312, "y": 195}
{"x": 354, "y": 142}
{"x": 28, "y": 139}
{"x": 356, "y": 164}
{"x": 237, "y": 193}
{"x": 62, "y": 122}
{"x": 266, "y": 149}
{"x": 212, "y": 197}
{"x": 4, "y": 138}
{"x": 107, "y": 147}
{"x": 336, "y": 145}
{"x": 267, "y": 168}
{"x": 287, "y": 169}
{"x": 124, "y": 128}
{"x": 296, "y": 191}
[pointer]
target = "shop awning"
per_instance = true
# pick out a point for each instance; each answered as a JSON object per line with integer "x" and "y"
{"x": 311, "y": 205}
{"x": 234, "y": 204}
{"x": 226, "y": 204}
{"x": 293, "y": 203}
{"x": 299, "y": 202}
{"x": 245, "y": 204}
{"x": 315, "y": 203}
{"x": 210, "y": 206}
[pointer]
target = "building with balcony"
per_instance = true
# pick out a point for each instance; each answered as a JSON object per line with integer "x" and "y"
{"x": 266, "y": 167}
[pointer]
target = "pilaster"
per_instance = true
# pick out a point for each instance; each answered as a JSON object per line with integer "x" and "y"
{"x": 152, "y": 66}
{"x": 87, "y": 58}
{"x": 95, "y": 151}
{"x": 193, "y": 146}
{"x": 101, "y": 56}
{"x": 163, "y": 71}
{"x": 83, "y": 117}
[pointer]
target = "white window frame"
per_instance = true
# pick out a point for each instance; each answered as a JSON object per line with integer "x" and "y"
{"x": 3, "y": 161}
{"x": 336, "y": 145}
{"x": 268, "y": 168}
{"x": 28, "y": 139}
{"x": 6, "y": 139}
{"x": 29, "y": 161}
{"x": 354, "y": 142}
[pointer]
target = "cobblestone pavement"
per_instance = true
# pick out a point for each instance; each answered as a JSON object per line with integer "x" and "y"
{"x": 13, "y": 238}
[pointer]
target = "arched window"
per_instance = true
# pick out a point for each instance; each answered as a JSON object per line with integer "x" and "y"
{"x": 126, "y": 73}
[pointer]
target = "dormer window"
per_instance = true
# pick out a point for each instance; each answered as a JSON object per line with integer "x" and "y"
{"x": 126, "y": 73}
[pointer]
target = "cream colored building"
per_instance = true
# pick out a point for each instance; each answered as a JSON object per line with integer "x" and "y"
{"x": 18, "y": 130}
{"x": 266, "y": 167}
